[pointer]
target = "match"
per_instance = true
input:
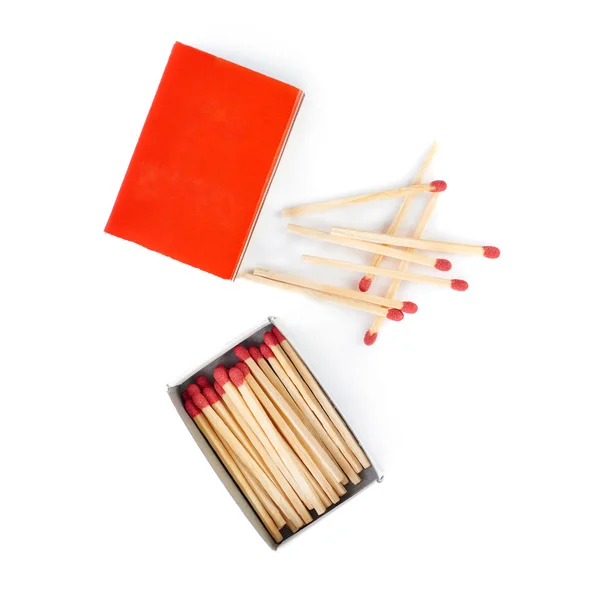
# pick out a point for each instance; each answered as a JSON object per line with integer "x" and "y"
{"x": 409, "y": 242}
{"x": 441, "y": 264}
{"x": 314, "y": 421}
{"x": 312, "y": 402}
{"x": 265, "y": 375}
{"x": 323, "y": 399}
{"x": 460, "y": 285}
{"x": 234, "y": 469}
{"x": 225, "y": 433}
{"x": 286, "y": 430}
{"x": 434, "y": 186}
{"x": 393, "y": 313}
{"x": 407, "y": 307}
{"x": 371, "y": 335}
{"x": 302, "y": 485}
{"x": 365, "y": 282}
{"x": 266, "y": 450}
{"x": 314, "y": 476}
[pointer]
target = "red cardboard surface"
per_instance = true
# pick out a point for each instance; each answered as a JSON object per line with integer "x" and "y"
{"x": 204, "y": 161}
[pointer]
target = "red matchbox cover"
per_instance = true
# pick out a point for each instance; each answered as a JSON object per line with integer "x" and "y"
{"x": 204, "y": 161}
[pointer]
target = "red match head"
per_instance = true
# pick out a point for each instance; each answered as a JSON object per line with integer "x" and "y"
{"x": 191, "y": 408}
{"x": 441, "y": 264}
{"x": 236, "y": 376}
{"x": 365, "y": 283}
{"x": 460, "y": 285}
{"x": 409, "y": 307}
{"x": 220, "y": 375}
{"x": 266, "y": 351}
{"x": 369, "y": 338}
{"x": 202, "y": 382}
{"x": 244, "y": 368}
{"x": 255, "y": 353}
{"x": 185, "y": 395}
{"x": 491, "y": 252}
{"x": 270, "y": 339}
{"x": 219, "y": 389}
{"x": 280, "y": 337}
{"x": 197, "y": 397}
{"x": 393, "y": 314}
{"x": 437, "y": 186}
{"x": 210, "y": 395}
{"x": 241, "y": 353}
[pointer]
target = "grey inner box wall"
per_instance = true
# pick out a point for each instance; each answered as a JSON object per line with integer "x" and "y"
{"x": 228, "y": 359}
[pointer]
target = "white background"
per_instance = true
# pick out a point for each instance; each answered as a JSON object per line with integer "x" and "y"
{"x": 481, "y": 409}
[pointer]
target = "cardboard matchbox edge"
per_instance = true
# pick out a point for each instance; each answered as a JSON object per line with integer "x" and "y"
{"x": 368, "y": 476}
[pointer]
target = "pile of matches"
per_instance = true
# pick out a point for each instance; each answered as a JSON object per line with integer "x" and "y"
{"x": 381, "y": 245}
{"x": 277, "y": 433}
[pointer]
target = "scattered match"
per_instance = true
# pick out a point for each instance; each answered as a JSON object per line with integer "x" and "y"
{"x": 459, "y": 285}
{"x": 441, "y": 264}
{"x": 418, "y": 244}
{"x": 434, "y": 186}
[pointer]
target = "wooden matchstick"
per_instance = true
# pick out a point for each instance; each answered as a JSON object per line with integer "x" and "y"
{"x": 365, "y": 282}
{"x": 238, "y": 426}
{"x": 225, "y": 433}
{"x": 258, "y": 498}
{"x": 334, "y": 290}
{"x": 392, "y": 313}
{"x": 323, "y": 399}
{"x": 314, "y": 476}
{"x": 312, "y": 402}
{"x": 434, "y": 186}
{"x": 441, "y": 264}
{"x": 373, "y": 331}
{"x": 307, "y": 436}
{"x": 409, "y": 242}
{"x": 268, "y": 372}
{"x": 303, "y": 487}
{"x": 331, "y": 446}
{"x": 270, "y": 456}
{"x": 249, "y": 441}
{"x": 285, "y": 427}
{"x": 456, "y": 284}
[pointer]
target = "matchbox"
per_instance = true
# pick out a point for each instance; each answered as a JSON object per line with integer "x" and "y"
{"x": 205, "y": 425}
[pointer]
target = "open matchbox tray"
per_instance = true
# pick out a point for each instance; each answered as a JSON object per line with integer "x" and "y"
{"x": 227, "y": 358}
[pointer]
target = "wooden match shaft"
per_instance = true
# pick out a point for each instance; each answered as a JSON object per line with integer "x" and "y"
{"x": 324, "y": 400}
{"x": 223, "y": 406}
{"x": 314, "y": 421}
{"x": 406, "y": 203}
{"x": 329, "y": 289}
{"x": 248, "y": 489}
{"x": 280, "y": 499}
{"x": 315, "y": 473}
{"x": 430, "y": 206}
{"x": 316, "y": 408}
{"x": 247, "y": 437}
{"x": 310, "y": 441}
{"x": 239, "y": 433}
{"x": 250, "y": 442}
{"x": 270, "y": 456}
{"x": 276, "y": 383}
{"x": 303, "y": 486}
{"x": 420, "y": 259}
{"x": 329, "y": 204}
{"x": 409, "y": 242}
{"x": 340, "y": 300}
{"x": 391, "y": 273}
